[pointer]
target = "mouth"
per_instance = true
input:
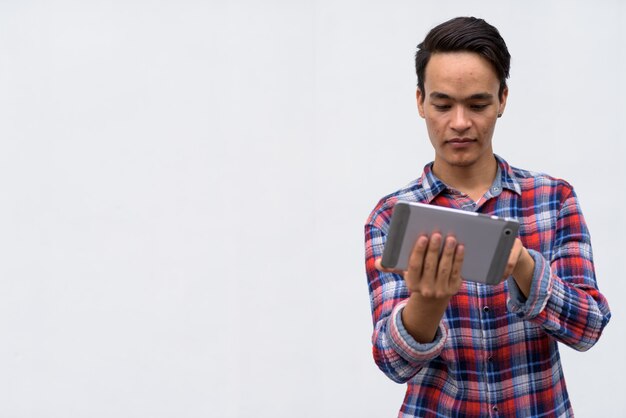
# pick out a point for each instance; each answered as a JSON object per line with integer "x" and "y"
{"x": 460, "y": 141}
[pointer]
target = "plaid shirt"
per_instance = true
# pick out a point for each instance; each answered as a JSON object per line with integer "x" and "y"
{"x": 495, "y": 352}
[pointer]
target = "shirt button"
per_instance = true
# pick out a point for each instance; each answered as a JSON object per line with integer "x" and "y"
{"x": 490, "y": 359}
{"x": 495, "y": 189}
{"x": 495, "y": 408}
{"x": 486, "y": 309}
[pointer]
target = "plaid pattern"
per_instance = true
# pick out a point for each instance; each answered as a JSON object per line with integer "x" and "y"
{"x": 495, "y": 352}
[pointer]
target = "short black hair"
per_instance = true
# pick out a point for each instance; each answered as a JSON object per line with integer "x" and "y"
{"x": 468, "y": 34}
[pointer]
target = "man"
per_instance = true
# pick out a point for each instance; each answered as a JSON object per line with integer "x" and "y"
{"x": 467, "y": 349}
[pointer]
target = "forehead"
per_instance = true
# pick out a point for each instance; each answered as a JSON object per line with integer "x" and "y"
{"x": 460, "y": 73}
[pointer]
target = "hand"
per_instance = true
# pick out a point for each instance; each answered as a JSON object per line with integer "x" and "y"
{"x": 430, "y": 275}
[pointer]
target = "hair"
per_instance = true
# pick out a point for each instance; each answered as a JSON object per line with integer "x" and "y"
{"x": 468, "y": 34}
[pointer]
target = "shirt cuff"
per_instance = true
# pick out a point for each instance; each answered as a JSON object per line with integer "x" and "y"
{"x": 540, "y": 290}
{"x": 406, "y": 346}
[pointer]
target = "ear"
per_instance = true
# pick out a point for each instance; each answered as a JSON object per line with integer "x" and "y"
{"x": 503, "y": 97}
{"x": 420, "y": 102}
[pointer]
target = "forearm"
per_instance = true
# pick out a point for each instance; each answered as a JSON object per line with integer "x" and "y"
{"x": 421, "y": 317}
{"x": 571, "y": 311}
{"x": 397, "y": 353}
{"x": 562, "y": 297}
{"x": 408, "y": 338}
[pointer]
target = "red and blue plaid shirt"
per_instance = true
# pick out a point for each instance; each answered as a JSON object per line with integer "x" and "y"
{"x": 495, "y": 352}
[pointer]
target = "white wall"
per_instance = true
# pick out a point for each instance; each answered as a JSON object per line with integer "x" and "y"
{"x": 183, "y": 186}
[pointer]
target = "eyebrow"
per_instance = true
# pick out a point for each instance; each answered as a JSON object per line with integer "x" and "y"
{"x": 476, "y": 96}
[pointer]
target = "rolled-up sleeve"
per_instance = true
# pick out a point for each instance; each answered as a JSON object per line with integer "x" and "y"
{"x": 564, "y": 298}
{"x": 406, "y": 346}
{"x": 395, "y": 351}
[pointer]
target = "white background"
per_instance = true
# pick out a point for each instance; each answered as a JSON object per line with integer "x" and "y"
{"x": 183, "y": 187}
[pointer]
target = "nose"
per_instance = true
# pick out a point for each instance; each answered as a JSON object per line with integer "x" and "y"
{"x": 460, "y": 120}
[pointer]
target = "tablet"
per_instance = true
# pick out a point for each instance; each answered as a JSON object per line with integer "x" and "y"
{"x": 487, "y": 239}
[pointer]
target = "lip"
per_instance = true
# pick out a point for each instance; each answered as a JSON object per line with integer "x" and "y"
{"x": 460, "y": 140}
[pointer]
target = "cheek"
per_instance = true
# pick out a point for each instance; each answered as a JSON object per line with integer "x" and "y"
{"x": 489, "y": 127}
{"x": 435, "y": 129}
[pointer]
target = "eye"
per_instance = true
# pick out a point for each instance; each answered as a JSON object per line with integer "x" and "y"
{"x": 478, "y": 107}
{"x": 441, "y": 107}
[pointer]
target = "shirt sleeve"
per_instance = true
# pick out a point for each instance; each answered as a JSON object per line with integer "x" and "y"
{"x": 395, "y": 351}
{"x": 564, "y": 298}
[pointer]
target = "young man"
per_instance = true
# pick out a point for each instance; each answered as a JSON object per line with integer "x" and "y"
{"x": 467, "y": 349}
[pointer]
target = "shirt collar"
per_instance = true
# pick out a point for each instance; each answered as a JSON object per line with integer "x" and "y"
{"x": 431, "y": 185}
{"x": 505, "y": 179}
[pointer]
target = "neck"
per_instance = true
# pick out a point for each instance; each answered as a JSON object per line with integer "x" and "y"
{"x": 473, "y": 180}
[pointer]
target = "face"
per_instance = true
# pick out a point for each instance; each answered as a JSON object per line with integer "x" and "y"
{"x": 460, "y": 105}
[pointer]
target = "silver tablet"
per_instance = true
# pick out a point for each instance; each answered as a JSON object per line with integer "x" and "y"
{"x": 487, "y": 239}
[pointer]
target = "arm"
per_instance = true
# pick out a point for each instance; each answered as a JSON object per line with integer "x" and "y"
{"x": 561, "y": 295}
{"x": 407, "y": 307}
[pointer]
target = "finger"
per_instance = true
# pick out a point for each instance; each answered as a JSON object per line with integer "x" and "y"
{"x": 431, "y": 262}
{"x": 444, "y": 268}
{"x": 416, "y": 261}
{"x": 457, "y": 267}
{"x": 379, "y": 266}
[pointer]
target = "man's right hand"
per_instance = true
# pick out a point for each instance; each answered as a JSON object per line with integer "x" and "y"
{"x": 429, "y": 274}
{"x": 432, "y": 280}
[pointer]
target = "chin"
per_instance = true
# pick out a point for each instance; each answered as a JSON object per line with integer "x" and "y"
{"x": 461, "y": 160}
{"x": 463, "y": 163}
